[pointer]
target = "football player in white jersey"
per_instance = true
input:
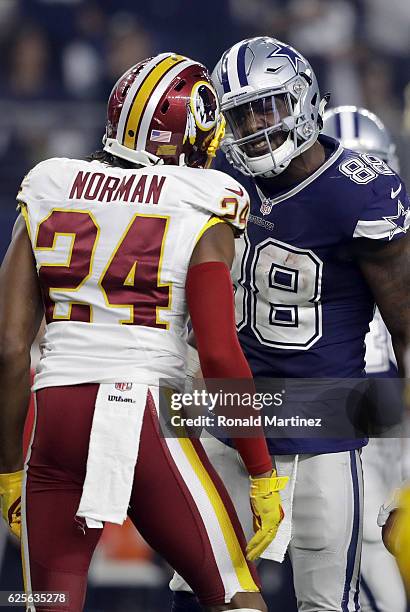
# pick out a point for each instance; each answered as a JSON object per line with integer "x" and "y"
{"x": 381, "y": 586}
{"x": 116, "y": 251}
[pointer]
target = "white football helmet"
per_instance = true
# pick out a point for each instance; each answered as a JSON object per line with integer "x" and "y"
{"x": 271, "y": 101}
{"x": 361, "y": 130}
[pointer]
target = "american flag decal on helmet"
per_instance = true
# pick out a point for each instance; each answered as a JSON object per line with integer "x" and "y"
{"x": 160, "y": 136}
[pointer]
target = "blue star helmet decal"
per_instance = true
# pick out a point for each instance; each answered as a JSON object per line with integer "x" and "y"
{"x": 291, "y": 54}
{"x": 398, "y": 221}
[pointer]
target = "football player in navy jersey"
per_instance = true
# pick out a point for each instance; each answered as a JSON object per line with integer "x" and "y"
{"x": 381, "y": 585}
{"x": 326, "y": 240}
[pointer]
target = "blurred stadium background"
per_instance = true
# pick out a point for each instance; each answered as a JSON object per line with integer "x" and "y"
{"x": 58, "y": 62}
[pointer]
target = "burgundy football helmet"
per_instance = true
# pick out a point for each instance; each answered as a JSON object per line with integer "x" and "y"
{"x": 164, "y": 110}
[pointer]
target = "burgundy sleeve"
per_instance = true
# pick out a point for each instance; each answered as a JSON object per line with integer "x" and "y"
{"x": 211, "y": 306}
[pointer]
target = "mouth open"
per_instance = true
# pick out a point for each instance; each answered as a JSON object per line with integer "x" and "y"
{"x": 259, "y": 146}
{"x": 256, "y": 148}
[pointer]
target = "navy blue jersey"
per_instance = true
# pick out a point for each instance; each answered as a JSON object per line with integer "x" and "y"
{"x": 303, "y": 307}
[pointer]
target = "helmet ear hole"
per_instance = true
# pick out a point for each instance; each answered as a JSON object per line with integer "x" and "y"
{"x": 165, "y": 107}
{"x": 307, "y": 78}
{"x": 180, "y": 85}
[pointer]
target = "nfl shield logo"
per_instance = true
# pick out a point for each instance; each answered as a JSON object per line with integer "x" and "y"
{"x": 266, "y": 207}
{"x": 123, "y": 386}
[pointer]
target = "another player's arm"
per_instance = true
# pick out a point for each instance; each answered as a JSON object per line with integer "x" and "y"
{"x": 211, "y": 306}
{"x": 394, "y": 518}
{"x": 21, "y": 312}
{"x": 386, "y": 268}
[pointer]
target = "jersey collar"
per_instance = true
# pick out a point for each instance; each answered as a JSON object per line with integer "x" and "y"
{"x": 285, "y": 195}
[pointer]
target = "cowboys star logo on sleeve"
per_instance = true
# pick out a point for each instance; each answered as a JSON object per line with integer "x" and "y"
{"x": 399, "y": 222}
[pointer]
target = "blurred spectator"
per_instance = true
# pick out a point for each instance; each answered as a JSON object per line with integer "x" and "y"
{"x": 387, "y": 29}
{"x": 325, "y": 32}
{"x": 8, "y": 12}
{"x": 83, "y": 58}
{"x": 200, "y": 31}
{"x": 261, "y": 17}
{"x": 406, "y": 114}
{"x": 128, "y": 43}
{"x": 381, "y": 96}
{"x": 27, "y": 75}
{"x": 75, "y": 50}
{"x": 57, "y": 17}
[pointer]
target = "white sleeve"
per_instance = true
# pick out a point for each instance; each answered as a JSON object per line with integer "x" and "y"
{"x": 221, "y": 196}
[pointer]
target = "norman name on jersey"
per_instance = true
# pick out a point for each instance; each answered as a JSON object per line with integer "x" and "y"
{"x": 112, "y": 249}
{"x": 135, "y": 188}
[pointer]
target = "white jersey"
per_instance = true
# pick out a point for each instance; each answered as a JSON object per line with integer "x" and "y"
{"x": 112, "y": 248}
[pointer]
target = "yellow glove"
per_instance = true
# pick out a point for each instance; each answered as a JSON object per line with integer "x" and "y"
{"x": 267, "y": 512}
{"x": 396, "y": 535}
{"x": 10, "y": 493}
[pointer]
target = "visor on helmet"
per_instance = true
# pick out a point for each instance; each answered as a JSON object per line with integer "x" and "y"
{"x": 257, "y": 126}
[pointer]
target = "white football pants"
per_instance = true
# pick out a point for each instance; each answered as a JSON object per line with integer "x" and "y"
{"x": 326, "y": 540}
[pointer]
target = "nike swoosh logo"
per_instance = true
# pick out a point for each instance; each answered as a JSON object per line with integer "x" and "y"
{"x": 394, "y": 194}
{"x": 238, "y": 193}
{"x": 273, "y": 70}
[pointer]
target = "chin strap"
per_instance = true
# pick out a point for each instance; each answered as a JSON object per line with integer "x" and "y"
{"x": 216, "y": 140}
{"x": 182, "y": 160}
{"x": 142, "y": 158}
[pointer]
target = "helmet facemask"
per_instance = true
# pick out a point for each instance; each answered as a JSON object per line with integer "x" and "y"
{"x": 272, "y": 83}
{"x": 265, "y": 133}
